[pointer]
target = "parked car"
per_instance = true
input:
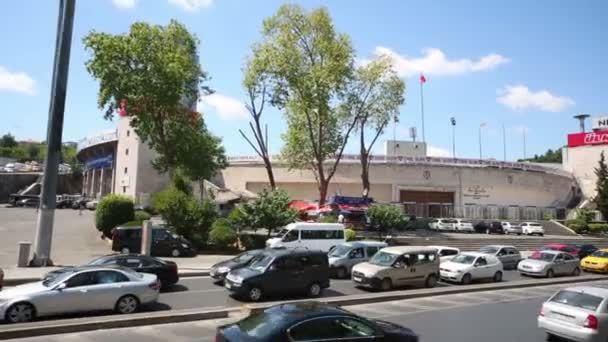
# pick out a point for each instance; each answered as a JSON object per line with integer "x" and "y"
{"x": 1, "y": 278}
{"x": 80, "y": 203}
{"x": 511, "y": 228}
{"x": 311, "y": 321}
{"x": 584, "y": 249}
{"x": 446, "y": 253}
{"x": 344, "y": 256}
{"x": 532, "y": 228}
{"x": 281, "y": 271}
{"x": 398, "y": 266}
{"x": 576, "y": 313}
{"x": 79, "y": 289}
{"x": 91, "y": 205}
{"x": 549, "y": 263}
{"x": 596, "y": 262}
{"x": 441, "y": 224}
{"x": 558, "y": 247}
{"x": 64, "y": 203}
{"x": 461, "y": 225}
{"x": 508, "y": 255}
{"x": 127, "y": 240}
{"x": 493, "y": 227}
{"x": 29, "y": 202}
{"x": 165, "y": 270}
{"x": 315, "y": 236}
{"x": 469, "y": 266}
{"x": 219, "y": 271}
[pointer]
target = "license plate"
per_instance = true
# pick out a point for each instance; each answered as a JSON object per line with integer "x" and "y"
{"x": 228, "y": 286}
{"x": 357, "y": 279}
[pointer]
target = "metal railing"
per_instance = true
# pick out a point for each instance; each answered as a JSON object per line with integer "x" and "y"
{"x": 97, "y": 139}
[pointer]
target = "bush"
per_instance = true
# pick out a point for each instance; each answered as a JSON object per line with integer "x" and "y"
{"x": 141, "y": 216}
{"x": 112, "y": 211}
{"x": 221, "y": 234}
{"x": 329, "y": 219}
{"x": 350, "y": 234}
{"x": 132, "y": 224}
{"x": 253, "y": 241}
{"x": 578, "y": 225}
{"x": 598, "y": 227}
{"x": 386, "y": 217}
{"x": 547, "y": 216}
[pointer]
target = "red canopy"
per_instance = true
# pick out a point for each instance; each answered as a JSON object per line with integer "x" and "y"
{"x": 302, "y": 205}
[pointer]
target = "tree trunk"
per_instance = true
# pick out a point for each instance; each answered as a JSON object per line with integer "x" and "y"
{"x": 268, "y": 167}
{"x": 363, "y": 155}
{"x": 323, "y": 187}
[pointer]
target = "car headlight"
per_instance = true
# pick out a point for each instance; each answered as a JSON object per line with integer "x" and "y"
{"x": 185, "y": 246}
{"x": 223, "y": 269}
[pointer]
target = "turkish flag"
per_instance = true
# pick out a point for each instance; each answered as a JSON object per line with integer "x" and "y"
{"x": 422, "y": 78}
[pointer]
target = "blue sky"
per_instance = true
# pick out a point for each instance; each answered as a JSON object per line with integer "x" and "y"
{"x": 529, "y": 65}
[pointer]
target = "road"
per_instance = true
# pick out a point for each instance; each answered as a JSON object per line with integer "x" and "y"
{"x": 498, "y": 316}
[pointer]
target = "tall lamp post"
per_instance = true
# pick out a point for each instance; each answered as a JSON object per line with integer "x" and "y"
{"x": 482, "y": 125}
{"x": 453, "y": 122}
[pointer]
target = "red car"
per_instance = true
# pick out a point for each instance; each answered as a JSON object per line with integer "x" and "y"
{"x": 559, "y": 247}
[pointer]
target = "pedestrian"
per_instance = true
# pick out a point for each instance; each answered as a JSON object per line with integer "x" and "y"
{"x": 341, "y": 218}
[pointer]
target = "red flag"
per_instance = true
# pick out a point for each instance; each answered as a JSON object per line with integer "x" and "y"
{"x": 422, "y": 78}
{"x": 122, "y": 111}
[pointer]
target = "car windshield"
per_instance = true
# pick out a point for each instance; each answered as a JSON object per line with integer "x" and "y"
{"x": 464, "y": 259}
{"x": 488, "y": 250}
{"x": 262, "y": 325}
{"x": 577, "y": 299}
{"x": 339, "y": 251}
{"x": 600, "y": 254}
{"x": 550, "y": 248}
{"x": 57, "y": 277}
{"x": 99, "y": 261}
{"x": 383, "y": 259}
{"x": 282, "y": 232}
{"x": 543, "y": 256}
{"x": 259, "y": 263}
{"x": 244, "y": 257}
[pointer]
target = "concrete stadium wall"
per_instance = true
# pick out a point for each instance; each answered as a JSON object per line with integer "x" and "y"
{"x": 581, "y": 161}
{"x": 14, "y": 182}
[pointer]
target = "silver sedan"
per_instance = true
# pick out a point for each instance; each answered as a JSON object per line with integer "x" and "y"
{"x": 79, "y": 289}
{"x": 549, "y": 263}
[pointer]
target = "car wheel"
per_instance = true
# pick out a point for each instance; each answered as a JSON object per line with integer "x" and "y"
{"x": 497, "y": 277}
{"x": 431, "y": 281}
{"x": 127, "y": 304}
{"x": 175, "y": 252}
{"x": 20, "y": 312}
{"x": 386, "y": 284}
{"x": 341, "y": 273}
{"x": 552, "y": 338}
{"x": 314, "y": 290}
{"x": 550, "y": 273}
{"x": 255, "y": 294}
{"x": 466, "y": 279}
{"x": 541, "y": 234}
{"x": 576, "y": 272}
{"x": 125, "y": 250}
{"x": 518, "y": 234}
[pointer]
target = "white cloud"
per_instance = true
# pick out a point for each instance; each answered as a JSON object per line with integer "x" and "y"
{"x": 124, "y": 4}
{"x": 191, "y": 5}
{"x": 435, "y": 62}
{"x": 434, "y": 151}
{"x": 519, "y": 97}
{"x": 226, "y": 107}
{"x": 19, "y": 82}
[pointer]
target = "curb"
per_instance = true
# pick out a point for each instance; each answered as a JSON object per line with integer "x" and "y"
{"x": 174, "y": 316}
{"x": 24, "y": 280}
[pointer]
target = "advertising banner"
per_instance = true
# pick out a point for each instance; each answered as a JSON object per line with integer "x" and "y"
{"x": 588, "y": 138}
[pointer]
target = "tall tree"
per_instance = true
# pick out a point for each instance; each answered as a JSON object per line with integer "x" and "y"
{"x": 309, "y": 65}
{"x": 152, "y": 73}
{"x": 373, "y": 97}
{"x": 601, "y": 198}
{"x": 8, "y": 141}
{"x": 256, "y": 84}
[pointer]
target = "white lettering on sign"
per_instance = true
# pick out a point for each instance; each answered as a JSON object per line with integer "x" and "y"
{"x": 600, "y": 123}
{"x": 592, "y": 138}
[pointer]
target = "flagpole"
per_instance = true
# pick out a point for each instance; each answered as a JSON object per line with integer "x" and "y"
{"x": 504, "y": 143}
{"x": 422, "y": 109}
{"x": 480, "y": 155}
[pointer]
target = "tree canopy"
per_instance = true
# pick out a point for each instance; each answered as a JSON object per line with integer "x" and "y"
{"x": 601, "y": 198}
{"x": 548, "y": 157}
{"x": 270, "y": 210}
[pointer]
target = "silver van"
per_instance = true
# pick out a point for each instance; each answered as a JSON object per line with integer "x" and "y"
{"x": 344, "y": 256}
{"x": 398, "y": 266}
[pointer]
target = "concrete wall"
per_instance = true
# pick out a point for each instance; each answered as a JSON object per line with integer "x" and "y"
{"x": 471, "y": 185}
{"x": 581, "y": 162}
{"x": 14, "y": 182}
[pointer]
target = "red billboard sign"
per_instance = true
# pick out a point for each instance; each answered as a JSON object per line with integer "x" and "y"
{"x": 588, "y": 138}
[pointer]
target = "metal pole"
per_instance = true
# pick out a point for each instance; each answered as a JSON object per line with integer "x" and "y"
{"x": 480, "y": 143}
{"x": 504, "y": 144}
{"x": 44, "y": 227}
{"x": 454, "y": 141}
{"x": 524, "y": 143}
{"x": 422, "y": 111}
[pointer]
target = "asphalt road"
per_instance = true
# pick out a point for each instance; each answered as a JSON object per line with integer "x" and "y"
{"x": 497, "y": 316}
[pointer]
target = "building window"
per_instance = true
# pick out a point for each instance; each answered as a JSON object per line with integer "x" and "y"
{"x": 124, "y": 189}
{"x": 127, "y": 152}
{"x": 128, "y": 133}
{"x": 125, "y": 170}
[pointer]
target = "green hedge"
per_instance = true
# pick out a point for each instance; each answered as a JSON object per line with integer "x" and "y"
{"x": 112, "y": 211}
{"x": 221, "y": 234}
{"x": 598, "y": 227}
{"x": 350, "y": 234}
{"x": 141, "y": 216}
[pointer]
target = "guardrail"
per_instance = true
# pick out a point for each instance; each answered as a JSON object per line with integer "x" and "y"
{"x": 379, "y": 159}
{"x": 97, "y": 139}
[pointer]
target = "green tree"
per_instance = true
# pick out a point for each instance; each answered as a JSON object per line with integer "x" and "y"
{"x": 601, "y": 198}
{"x": 385, "y": 217}
{"x": 8, "y": 141}
{"x": 112, "y": 211}
{"x": 221, "y": 234}
{"x": 373, "y": 97}
{"x": 153, "y": 72}
{"x": 308, "y": 65}
{"x": 270, "y": 210}
{"x": 548, "y": 157}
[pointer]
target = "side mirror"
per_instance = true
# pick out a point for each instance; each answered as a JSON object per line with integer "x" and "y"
{"x": 398, "y": 265}
{"x": 60, "y": 287}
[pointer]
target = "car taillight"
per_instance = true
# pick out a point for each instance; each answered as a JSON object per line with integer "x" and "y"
{"x": 591, "y": 322}
{"x": 155, "y": 285}
{"x": 541, "y": 312}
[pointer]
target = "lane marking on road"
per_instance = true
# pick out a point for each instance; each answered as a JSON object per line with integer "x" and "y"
{"x": 190, "y": 291}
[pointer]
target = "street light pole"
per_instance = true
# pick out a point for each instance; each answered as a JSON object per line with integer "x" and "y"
{"x": 46, "y": 214}
{"x": 480, "y": 142}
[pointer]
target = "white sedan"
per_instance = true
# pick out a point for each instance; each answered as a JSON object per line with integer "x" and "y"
{"x": 469, "y": 266}
{"x": 79, "y": 289}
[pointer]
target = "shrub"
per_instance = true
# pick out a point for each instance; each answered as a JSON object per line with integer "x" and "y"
{"x": 385, "y": 217}
{"x": 350, "y": 234}
{"x": 113, "y": 210}
{"x": 221, "y": 234}
{"x": 578, "y": 225}
{"x": 253, "y": 241}
{"x": 141, "y": 216}
{"x": 132, "y": 224}
{"x": 598, "y": 227}
{"x": 329, "y": 219}
{"x": 547, "y": 216}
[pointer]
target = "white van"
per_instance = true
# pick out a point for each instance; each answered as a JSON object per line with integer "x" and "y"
{"x": 316, "y": 236}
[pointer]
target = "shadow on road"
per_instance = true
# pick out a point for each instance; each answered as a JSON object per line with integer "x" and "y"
{"x": 175, "y": 288}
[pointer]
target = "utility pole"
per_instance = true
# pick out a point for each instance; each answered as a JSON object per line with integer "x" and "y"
{"x": 453, "y": 122}
{"x": 504, "y": 143}
{"x": 422, "y": 81}
{"x": 46, "y": 214}
{"x": 524, "y": 135}
{"x": 480, "y": 127}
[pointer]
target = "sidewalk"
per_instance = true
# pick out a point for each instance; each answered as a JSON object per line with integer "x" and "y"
{"x": 187, "y": 267}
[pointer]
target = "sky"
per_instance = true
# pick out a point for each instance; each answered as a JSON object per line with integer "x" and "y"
{"x": 527, "y": 66}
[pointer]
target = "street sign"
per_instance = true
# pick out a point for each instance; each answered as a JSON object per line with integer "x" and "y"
{"x": 600, "y": 123}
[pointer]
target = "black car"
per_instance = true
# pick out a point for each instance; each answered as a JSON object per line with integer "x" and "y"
{"x": 29, "y": 202}
{"x": 493, "y": 227}
{"x": 165, "y": 270}
{"x": 219, "y": 271}
{"x": 164, "y": 242}
{"x": 584, "y": 249}
{"x": 281, "y": 271}
{"x": 312, "y": 321}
